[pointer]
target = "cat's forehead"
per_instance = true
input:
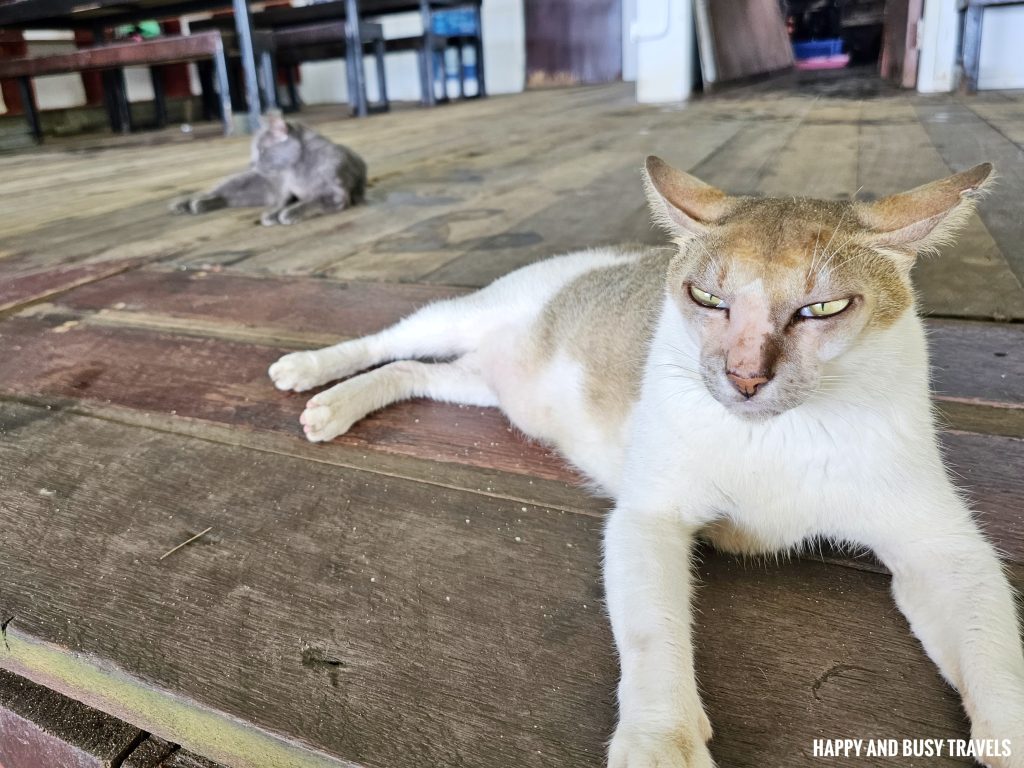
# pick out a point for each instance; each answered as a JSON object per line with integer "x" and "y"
{"x": 781, "y": 241}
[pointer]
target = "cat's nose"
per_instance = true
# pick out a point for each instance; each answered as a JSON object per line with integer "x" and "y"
{"x": 746, "y": 383}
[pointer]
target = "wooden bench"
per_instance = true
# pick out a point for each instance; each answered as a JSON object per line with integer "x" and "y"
{"x": 324, "y": 41}
{"x": 164, "y": 50}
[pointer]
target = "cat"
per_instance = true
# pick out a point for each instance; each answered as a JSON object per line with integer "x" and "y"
{"x": 296, "y": 173}
{"x": 761, "y": 383}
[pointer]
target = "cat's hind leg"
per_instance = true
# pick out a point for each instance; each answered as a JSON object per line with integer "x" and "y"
{"x": 444, "y": 329}
{"x": 334, "y": 411}
{"x": 248, "y": 189}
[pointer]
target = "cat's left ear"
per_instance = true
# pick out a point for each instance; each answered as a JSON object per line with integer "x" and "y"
{"x": 683, "y": 204}
{"x": 926, "y": 217}
{"x": 273, "y": 122}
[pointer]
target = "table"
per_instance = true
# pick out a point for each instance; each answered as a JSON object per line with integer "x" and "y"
{"x": 98, "y": 15}
{"x": 336, "y": 10}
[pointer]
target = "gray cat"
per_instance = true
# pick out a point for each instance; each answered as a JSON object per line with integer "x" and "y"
{"x": 296, "y": 173}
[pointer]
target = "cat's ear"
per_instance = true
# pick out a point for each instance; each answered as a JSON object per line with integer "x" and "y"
{"x": 682, "y": 204}
{"x": 273, "y": 122}
{"x": 926, "y": 217}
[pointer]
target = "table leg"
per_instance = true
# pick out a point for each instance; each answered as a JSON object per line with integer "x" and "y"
{"x": 428, "y": 52}
{"x": 355, "y": 46}
{"x": 28, "y": 103}
{"x": 156, "y": 76}
{"x": 247, "y": 52}
{"x": 478, "y": 44}
{"x": 220, "y": 70}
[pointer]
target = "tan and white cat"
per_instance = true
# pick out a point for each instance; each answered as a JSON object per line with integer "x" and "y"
{"x": 762, "y": 383}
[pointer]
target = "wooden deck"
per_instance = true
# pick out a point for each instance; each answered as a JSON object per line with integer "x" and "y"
{"x": 425, "y": 591}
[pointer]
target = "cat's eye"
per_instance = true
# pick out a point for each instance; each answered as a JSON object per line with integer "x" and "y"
{"x": 706, "y": 299}
{"x": 825, "y": 308}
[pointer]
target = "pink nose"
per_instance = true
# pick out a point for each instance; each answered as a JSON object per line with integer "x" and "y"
{"x": 746, "y": 385}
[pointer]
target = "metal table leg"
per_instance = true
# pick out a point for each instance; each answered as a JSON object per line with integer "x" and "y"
{"x": 247, "y": 52}
{"x": 28, "y": 103}
{"x": 428, "y": 52}
{"x": 355, "y": 47}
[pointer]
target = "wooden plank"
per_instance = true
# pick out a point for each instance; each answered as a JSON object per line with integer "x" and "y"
{"x": 831, "y": 174}
{"x": 226, "y": 382}
{"x": 20, "y": 289}
{"x": 964, "y": 139}
{"x": 970, "y": 278}
{"x": 971, "y": 361}
{"x": 152, "y": 752}
{"x": 362, "y": 662}
{"x": 162, "y": 50}
{"x": 293, "y": 304}
{"x": 39, "y": 727}
{"x": 577, "y": 203}
{"x": 1007, "y": 117}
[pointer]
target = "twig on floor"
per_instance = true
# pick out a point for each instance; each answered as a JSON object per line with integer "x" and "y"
{"x": 189, "y": 541}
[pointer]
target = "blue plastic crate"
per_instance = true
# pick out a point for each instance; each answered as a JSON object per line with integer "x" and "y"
{"x": 812, "y": 49}
{"x": 460, "y": 22}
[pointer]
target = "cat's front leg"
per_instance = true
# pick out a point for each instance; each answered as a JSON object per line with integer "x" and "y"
{"x": 648, "y": 583}
{"x": 198, "y": 204}
{"x": 952, "y": 588}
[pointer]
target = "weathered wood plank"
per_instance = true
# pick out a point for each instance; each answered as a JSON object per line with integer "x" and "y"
{"x": 22, "y": 288}
{"x": 416, "y": 638}
{"x": 964, "y": 139}
{"x": 226, "y": 382}
{"x": 39, "y": 727}
{"x": 970, "y": 278}
{"x": 152, "y": 752}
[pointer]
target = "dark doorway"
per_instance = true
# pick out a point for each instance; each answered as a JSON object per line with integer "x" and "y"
{"x": 573, "y": 41}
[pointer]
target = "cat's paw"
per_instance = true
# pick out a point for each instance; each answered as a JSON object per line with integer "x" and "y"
{"x": 328, "y": 415}
{"x": 181, "y": 206}
{"x": 297, "y": 371}
{"x": 1013, "y": 733}
{"x": 634, "y": 746}
{"x": 287, "y": 217}
{"x": 270, "y": 218}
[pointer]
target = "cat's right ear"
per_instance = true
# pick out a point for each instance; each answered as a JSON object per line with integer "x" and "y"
{"x": 683, "y": 204}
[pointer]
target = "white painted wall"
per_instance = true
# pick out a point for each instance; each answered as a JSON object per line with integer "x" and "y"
{"x": 663, "y": 34}
{"x": 1001, "y": 66}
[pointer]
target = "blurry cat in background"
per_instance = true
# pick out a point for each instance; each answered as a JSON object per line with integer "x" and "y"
{"x": 295, "y": 174}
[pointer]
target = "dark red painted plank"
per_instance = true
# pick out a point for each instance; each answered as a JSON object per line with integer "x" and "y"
{"x": 295, "y": 304}
{"x": 17, "y": 289}
{"x": 226, "y": 382}
{"x": 971, "y": 361}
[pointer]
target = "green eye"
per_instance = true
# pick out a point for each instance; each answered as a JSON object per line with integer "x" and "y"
{"x": 706, "y": 299}
{"x": 825, "y": 308}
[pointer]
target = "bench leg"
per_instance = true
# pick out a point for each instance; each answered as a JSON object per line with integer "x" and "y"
{"x": 28, "y": 102}
{"x": 462, "y": 68}
{"x": 156, "y": 76}
{"x": 294, "y": 103}
{"x": 382, "y": 80}
{"x": 247, "y": 54}
{"x": 478, "y": 46}
{"x": 119, "y": 93}
{"x": 268, "y": 74}
{"x": 220, "y": 71}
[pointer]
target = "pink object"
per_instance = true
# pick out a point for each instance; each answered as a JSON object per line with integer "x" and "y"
{"x": 824, "y": 62}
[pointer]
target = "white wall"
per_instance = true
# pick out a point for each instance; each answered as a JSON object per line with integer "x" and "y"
{"x": 1002, "y": 41}
{"x": 1001, "y": 66}
{"x": 664, "y": 39}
